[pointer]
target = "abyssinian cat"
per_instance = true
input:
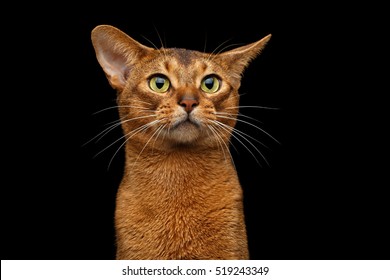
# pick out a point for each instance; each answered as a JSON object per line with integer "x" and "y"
{"x": 180, "y": 196}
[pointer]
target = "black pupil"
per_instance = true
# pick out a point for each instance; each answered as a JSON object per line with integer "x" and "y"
{"x": 160, "y": 82}
{"x": 209, "y": 82}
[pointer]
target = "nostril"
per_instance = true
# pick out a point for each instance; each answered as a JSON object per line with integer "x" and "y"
{"x": 191, "y": 103}
{"x": 188, "y": 104}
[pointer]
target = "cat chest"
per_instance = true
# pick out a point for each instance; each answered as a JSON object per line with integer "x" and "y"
{"x": 182, "y": 217}
{"x": 164, "y": 226}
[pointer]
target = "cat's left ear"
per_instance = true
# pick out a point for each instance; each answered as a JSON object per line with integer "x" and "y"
{"x": 239, "y": 58}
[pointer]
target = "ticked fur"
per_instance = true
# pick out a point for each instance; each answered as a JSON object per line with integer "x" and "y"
{"x": 180, "y": 197}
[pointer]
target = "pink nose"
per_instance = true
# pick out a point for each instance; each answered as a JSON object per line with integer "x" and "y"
{"x": 188, "y": 104}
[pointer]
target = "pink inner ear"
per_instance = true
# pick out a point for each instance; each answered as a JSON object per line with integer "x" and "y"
{"x": 114, "y": 65}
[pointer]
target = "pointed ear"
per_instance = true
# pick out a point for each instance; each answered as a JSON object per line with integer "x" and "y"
{"x": 116, "y": 52}
{"x": 239, "y": 58}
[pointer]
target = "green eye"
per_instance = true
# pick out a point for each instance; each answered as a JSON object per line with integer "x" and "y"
{"x": 210, "y": 84}
{"x": 159, "y": 83}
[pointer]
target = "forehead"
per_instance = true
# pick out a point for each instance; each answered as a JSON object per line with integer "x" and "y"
{"x": 185, "y": 57}
{"x": 182, "y": 61}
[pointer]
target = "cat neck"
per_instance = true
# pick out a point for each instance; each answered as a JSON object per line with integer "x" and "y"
{"x": 177, "y": 168}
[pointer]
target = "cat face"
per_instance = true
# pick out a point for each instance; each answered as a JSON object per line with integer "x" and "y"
{"x": 173, "y": 97}
{"x": 182, "y": 92}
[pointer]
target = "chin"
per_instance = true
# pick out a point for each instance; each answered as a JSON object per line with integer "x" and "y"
{"x": 185, "y": 133}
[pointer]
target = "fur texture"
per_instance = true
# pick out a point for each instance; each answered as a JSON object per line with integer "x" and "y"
{"x": 180, "y": 197}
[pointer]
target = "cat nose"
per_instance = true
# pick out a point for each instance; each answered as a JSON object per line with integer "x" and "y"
{"x": 188, "y": 104}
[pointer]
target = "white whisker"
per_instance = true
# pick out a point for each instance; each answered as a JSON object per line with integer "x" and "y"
{"x": 131, "y": 133}
{"x": 115, "y": 124}
{"x": 243, "y": 134}
{"x": 221, "y": 49}
{"x": 221, "y": 143}
{"x": 242, "y": 143}
{"x": 255, "y": 126}
{"x": 122, "y": 106}
{"x": 104, "y": 132}
{"x": 161, "y": 128}
{"x": 258, "y": 107}
{"x": 140, "y": 101}
{"x": 239, "y": 114}
{"x": 217, "y": 137}
{"x": 151, "y": 137}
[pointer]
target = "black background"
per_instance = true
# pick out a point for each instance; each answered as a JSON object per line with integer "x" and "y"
{"x": 321, "y": 196}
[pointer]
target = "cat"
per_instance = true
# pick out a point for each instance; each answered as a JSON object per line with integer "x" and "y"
{"x": 180, "y": 196}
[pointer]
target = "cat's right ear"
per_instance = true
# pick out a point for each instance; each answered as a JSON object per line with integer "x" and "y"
{"x": 116, "y": 52}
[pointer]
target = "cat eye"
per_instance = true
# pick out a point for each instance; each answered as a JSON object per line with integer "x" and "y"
{"x": 210, "y": 84}
{"x": 159, "y": 83}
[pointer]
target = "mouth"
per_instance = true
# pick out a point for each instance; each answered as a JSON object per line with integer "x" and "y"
{"x": 185, "y": 124}
{"x": 184, "y": 131}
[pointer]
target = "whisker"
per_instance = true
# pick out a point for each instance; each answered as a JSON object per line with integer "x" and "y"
{"x": 239, "y": 114}
{"x": 228, "y": 46}
{"x": 116, "y": 121}
{"x": 151, "y": 42}
{"x": 217, "y": 138}
{"x": 115, "y": 124}
{"x": 230, "y": 142}
{"x": 215, "y": 52}
{"x": 161, "y": 128}
{"x": 243, "y": 134}
{"x": 131, "y": 133}
{"x": 146, "y": 111}
{"x": 205, "y": 42}
{"x": 222, "y": 142}
{"x": 124, "y": 120}
{"x": 242, "y": 143}
{"x": 220, "y": 45}
{"x": 162, "y": 49}
{"x": 159, "y": 37}
{"x": 136, "y": 100}
{"x": 138, "y": 104}
{"x": 151, "y": 137}
{"x": 117, "y": 106}
{"x": 243, "y": 93}
{"x": 258, "y": 107}
{"x": 255, "y": 126}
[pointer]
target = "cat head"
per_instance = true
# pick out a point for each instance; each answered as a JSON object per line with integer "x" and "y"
{"x": 173, "y": 96}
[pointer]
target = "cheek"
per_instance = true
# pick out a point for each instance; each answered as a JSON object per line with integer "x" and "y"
{"x": 227, "y": 99}
{"x": 206, "y": 111}
{"x": 166, "y": 111}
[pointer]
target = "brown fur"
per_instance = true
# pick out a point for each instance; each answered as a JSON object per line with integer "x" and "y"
{"x": 180, "y": 197}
